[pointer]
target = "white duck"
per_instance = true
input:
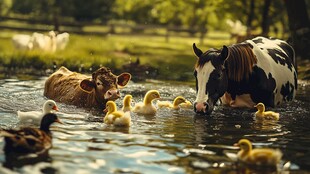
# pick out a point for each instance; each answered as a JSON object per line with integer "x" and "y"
{"x": 127, "y": 103}
{"x": 147, "y": 108}
{"x": 36, "y": 116}
{"x": 117, "y": 118}
{"x": 175, "y": 105}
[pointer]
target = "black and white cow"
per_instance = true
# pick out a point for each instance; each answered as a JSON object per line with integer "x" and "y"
{"x": 241, "y": 75}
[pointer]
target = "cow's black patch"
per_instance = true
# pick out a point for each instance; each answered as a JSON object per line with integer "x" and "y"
{"x": 287, "y": 90}
{"x": 289, "y": 52}
{"x": 280, "y": 57}
{"x": 259, "y": 86}
{"x": 207, "y": 56}
{"x": 258, "y": 40}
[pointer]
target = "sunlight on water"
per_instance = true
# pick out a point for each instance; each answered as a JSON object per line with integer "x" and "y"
{"x": 170, "y": 142}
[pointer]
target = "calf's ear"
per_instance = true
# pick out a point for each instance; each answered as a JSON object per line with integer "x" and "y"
{"x": 123, "y": 79}
{"x": 87, "y": 85}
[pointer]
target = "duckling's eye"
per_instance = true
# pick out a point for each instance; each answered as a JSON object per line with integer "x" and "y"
{"x": 50, "y": 104}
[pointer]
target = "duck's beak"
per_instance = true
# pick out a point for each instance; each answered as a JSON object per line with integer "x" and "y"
{"x": 236, "y": 145}
{"x": 55, "y": 108}
{"x": 105, "y": 110}
{"x": 58, "y": 121}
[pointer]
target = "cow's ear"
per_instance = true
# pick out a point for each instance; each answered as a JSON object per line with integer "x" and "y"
{"x": 123, "y": 79}
{"x": 197, "y": 51}
{"x": 87, "y": 85}
{"x": 224, "y": 53}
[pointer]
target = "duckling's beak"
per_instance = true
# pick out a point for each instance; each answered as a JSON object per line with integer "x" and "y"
{"x": 55, "y": 108}
{"x": 58, "y": 121}
{"x": 105, "y": 110}
{"x": 236, "y": 145}
{"x": 255, "y": 106}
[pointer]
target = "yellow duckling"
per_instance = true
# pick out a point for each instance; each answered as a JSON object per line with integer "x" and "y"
{"x": 261, "y": 114}
{"x": 186, "y": 105}
{"x": 258, "y": 156}
{"x": 175, "y": 105}
{"x": 147, "y": 107}
{"x": 117, "y": 118}
{"x": 127, "y": 103}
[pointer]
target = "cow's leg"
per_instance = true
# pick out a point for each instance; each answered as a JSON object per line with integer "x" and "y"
{"x": 243, "y": 101}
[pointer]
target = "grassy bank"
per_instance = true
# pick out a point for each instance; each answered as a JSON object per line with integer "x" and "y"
{"x": 173, "y": 60}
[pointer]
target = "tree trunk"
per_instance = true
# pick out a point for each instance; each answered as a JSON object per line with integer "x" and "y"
{"x": 250, "y": 17}
{"x": 265, "y": 19}
{"x": 299, "y": 27}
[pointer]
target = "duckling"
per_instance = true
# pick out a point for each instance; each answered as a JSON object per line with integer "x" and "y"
{"x": 30, "y": 140}
{"x": 258, "y": 156}
{"x": 127, "y": 103}
{"x": 147, "y": 107}
{"x": 186, "y": 105}
{"x": 36, "y": 116}
{"x": 117, "y": 118}
{"x": 261, "y": 114}
{"x": 175, "y": 105}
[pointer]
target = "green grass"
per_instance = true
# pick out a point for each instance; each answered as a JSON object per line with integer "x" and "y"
{"x": 174, "y": 59}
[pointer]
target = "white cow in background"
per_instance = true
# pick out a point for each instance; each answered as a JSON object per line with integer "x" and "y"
{"x": 237, "y": 30}
{"x": 62, "y": 41}
{"x": 22, "y": 42}
{"x": 44, "y": 42}
{"x": 38, "y": 41}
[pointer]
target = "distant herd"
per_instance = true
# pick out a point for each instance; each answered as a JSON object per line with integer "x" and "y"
{"x": 41, "y": 42}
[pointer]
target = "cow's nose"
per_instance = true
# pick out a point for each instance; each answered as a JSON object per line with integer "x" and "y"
{"x": 201, "y": 107}
{"x": 112, "y": 94}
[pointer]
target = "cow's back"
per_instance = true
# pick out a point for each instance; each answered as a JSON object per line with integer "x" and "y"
{"x": 63, "y": 86}
{"x": 275, "y": 68}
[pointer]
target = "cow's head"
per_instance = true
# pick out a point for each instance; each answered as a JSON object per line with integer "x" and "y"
{"x": 211, "y": 78}
{"x": 105, "y": 84}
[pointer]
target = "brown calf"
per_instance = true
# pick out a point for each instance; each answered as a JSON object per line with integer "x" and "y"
{"x": 81, "y": 90}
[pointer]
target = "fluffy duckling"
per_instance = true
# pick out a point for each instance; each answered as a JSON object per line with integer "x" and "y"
{"x": 147, "y": 108}
{"x": 117, "y": 118}
{"x": 186, "y": 105}
{"x": 175, "y": 105}
{"x": 127, "y": 103}
{"x": 30, "y": 140}
{"x": 261, "y": 114}
{"x": 258, "y": 156}
{"x": 36, "y": 116}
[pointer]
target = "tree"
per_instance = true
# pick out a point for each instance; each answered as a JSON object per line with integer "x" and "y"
{"x": 299, "y": 27}
{"x": 265, "y": 18}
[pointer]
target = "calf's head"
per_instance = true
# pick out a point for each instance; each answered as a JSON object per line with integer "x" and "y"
{"x": 211, "y": 78}
{"x": 105, "y": 85}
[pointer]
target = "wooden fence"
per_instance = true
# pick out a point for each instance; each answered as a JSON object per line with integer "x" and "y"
{"x": 35, "y": 25}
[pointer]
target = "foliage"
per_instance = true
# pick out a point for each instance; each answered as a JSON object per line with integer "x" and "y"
{"x": 200, "y": 14}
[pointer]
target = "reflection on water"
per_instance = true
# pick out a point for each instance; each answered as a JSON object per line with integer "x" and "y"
{"x": 170, "y": 142}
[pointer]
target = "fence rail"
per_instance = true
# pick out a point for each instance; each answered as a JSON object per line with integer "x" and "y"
{"x": 78, "y": 27}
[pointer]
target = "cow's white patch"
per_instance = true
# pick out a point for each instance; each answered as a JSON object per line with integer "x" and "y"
{"x": 203, "y": 75}
{"x": 265, "y": 61}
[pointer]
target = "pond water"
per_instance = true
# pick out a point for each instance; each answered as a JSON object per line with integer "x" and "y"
{"x": 170, "y": 142}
